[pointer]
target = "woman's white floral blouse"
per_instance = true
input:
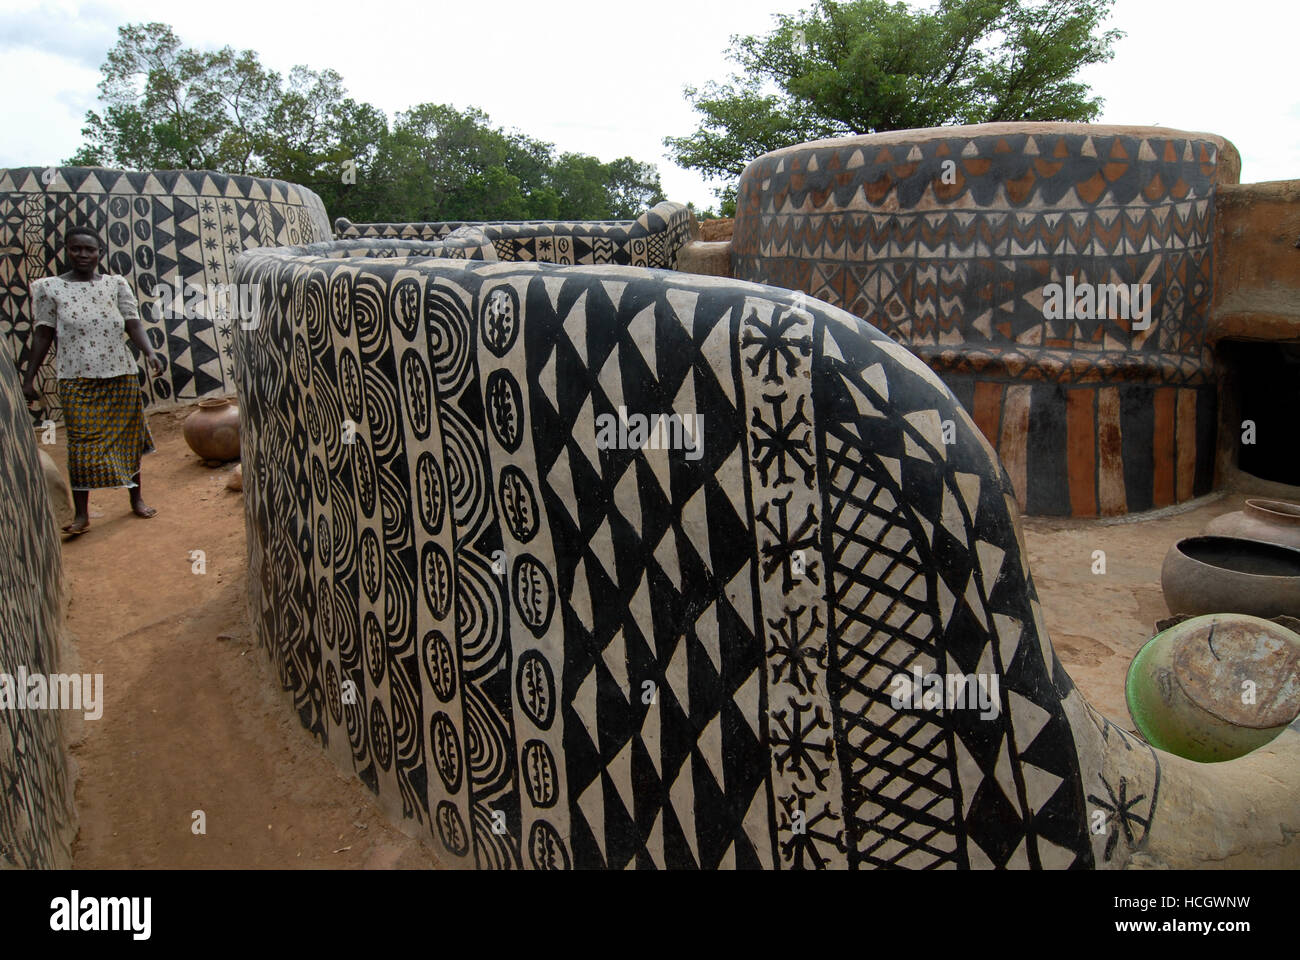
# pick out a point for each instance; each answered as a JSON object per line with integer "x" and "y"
{"x": 89, "y": 320}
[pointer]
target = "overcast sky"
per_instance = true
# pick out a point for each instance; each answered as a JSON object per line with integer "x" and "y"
{"x": 605, "y": 77}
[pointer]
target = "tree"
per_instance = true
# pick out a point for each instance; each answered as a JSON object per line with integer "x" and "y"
{"x": 591, "y": 190}
{"x": 440, "y": 163}
{"x": 340, "y": 166}
{"x": 166, "y": 106}
{"x": 632, "y": 188}
{"x": 867, "y": 66}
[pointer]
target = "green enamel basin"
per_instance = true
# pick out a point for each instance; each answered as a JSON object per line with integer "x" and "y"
{"x": 1215, "y": 687}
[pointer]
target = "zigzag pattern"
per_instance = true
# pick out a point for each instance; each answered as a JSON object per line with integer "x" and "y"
{"x": 161, "y": 229}
{"x": 947, "y": 234}
{"x": 959, "y": 255}
{"x": 1080, "y": 170}
{"x": 632, "y": 655}
{"x": 952, "y": 244}
{"x": 652, "y": 240}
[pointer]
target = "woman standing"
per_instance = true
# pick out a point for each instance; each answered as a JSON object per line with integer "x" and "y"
{"x": 87, "y": 312}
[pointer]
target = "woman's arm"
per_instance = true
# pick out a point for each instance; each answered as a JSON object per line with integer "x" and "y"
{"x": 39, "y": 346}
{"x": 44, "y": 318}
{"x": 130, "y": 311}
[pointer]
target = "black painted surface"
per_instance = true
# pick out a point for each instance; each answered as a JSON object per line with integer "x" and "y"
{"x": 1137, "y": 414}
{"x": 1048, "y": 492}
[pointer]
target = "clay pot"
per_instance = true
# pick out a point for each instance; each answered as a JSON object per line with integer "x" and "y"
{"x": 1274, "y": 521}
{"x": 1215, "y": 688}
{"x": 1203, "y": 575}
{"x": 212, "y": 431}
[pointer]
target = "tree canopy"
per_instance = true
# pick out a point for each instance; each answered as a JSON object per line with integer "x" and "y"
{"x": 867, "y": 66}
{"x": 167, "y": 106}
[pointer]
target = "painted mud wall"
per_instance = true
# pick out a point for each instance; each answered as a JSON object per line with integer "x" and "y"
{"x": 37, "y": 823}
{"x": 1257, "y": 243}
{"x": 1256, "y": 327}
{"x": 651, "y": 240}
{"x": 947, "y": 240}
{"x": 495, "y": 590}
{"x": 160, "y": 228}
{"x": 550, "y": 651}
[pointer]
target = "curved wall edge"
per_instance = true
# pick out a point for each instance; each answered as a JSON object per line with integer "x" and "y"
{"x": 549, "y": 642}
{"x": 170, "y": 233}
{"x": 1043, "y": 269}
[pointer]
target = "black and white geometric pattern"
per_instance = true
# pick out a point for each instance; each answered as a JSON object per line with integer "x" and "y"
{"x": 561, "y": 655}
{"x": 36, "y": 815}
{"x": 651, "y": 240}
{"x": 924, "y": 573}
{"x": 160, "y": 228}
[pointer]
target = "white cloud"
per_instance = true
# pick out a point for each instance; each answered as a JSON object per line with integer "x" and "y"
{"x": 80, "y": 32}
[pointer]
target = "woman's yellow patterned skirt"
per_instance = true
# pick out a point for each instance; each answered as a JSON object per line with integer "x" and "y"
{"x": 107, "y": 431}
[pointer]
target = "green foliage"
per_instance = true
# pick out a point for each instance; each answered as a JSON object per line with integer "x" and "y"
{"x": 166, "y": 106}
{"x": 867, "y": 66}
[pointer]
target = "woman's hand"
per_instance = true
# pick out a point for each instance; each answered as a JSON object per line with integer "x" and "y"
{"x": 30, "y": 393}
{"x": 154, "y": 364}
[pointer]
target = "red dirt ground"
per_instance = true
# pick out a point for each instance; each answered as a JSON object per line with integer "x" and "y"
{"x": 192, "y": 720}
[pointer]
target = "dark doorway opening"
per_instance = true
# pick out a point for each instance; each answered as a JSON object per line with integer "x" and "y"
{"x": 1261, "y": 386}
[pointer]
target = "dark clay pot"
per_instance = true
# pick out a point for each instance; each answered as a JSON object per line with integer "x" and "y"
{"x": 212, "y": 431}
{"x": 1274, "y": 521}
{"x": 1203, "y": 575}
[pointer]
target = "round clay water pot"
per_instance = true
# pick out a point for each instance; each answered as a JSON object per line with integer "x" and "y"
{"x": 1274, "y": 521}
{"x": 212, "y": 431}
{"x": 1204, "y": 575}
{"x": 1215, "y": 688}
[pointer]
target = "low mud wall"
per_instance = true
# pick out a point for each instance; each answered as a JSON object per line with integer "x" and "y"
{"x": 651, "y": 240}
{"x": 550, "y": 635}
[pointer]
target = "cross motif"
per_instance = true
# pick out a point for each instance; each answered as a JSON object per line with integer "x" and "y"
{"x": 787, "y": 550}
{"x": 801, "y": 849}
{"x": 797, "y": 739}
{"x": 1119, "y": 811}
{"x": 774, "y": 345}
{"x": 780, "y": 442}
{"x": 795, "y": 651}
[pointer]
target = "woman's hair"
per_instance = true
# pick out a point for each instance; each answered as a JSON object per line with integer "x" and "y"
{"x": 82, "y": 232}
